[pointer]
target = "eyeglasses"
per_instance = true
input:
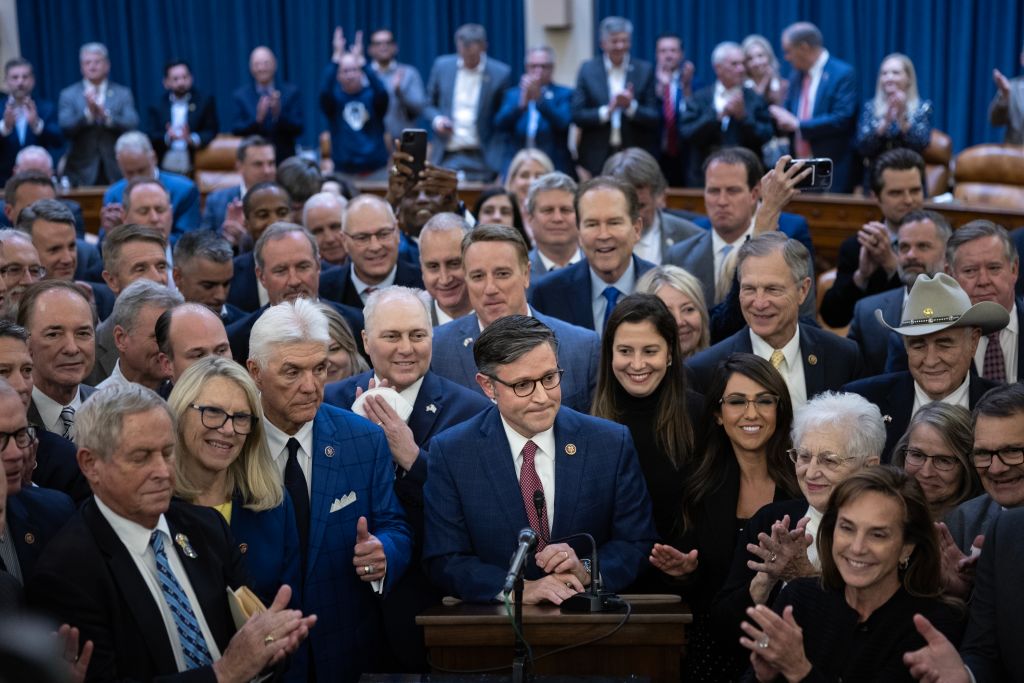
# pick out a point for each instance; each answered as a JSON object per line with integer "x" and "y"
{"x": 23, "y": 438}
{"x": 15, "y": 271}
{"x": 762, "y": 402}
{"x": 830, "y": 461}
{"x": 215, "y": 418}
{"x": 526, "y": 387}
{"x": 365, "y": 237}
{"x": 945, "y": 463}
{"x": 1010, "y": 455}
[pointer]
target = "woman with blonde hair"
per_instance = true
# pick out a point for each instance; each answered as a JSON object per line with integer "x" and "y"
{"x": 343, "y": 359}
{"x": 683, "y": 294}
{"x": 896, "y": 116}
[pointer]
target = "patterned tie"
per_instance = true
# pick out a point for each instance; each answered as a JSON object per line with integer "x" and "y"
{"x": 668, "y": 113}
{"x": 777, "y": 359}
{"x": 529, "y": 483}
{"x": 611, "y": 295}
{"x": 295, "y": 484}
{"x": 193, "y": 644}
{"x": 67, "y": 418}
{"x": 994, "y": 365}
{"x": 803, "y": 148}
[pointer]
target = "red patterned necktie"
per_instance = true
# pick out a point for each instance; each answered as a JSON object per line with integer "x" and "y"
{"x": 994, "y": 365}
{"x": 668, "y": 112}
{"x": 529, "y": 483}
{"x": 803, "y": 148}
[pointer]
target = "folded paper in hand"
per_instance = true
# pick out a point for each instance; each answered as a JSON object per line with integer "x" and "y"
{"x": 244, "y": 604}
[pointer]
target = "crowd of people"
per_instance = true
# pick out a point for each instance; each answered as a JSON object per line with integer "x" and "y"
{"x": 346, "y": 406}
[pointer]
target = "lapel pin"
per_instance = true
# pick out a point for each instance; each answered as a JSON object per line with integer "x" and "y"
{"x": 467, "y": 341}
{"x": 186, "y": 547}
{"x": 570, "y": 449}
{"x": 812, "y": 359}
{"x": 431, "y": 408}
{"x": 329, "y": 451}
{"x": 887, "y": 418}
{"x": 30, "y": 538}
{"x": 243, "y": 548}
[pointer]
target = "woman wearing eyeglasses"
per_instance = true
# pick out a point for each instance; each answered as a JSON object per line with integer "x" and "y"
{"x": 936, "y": 451}
{"x": 742, "y": 467}
{"x": 222, "y": 461}
{"x": 835, "y": 435}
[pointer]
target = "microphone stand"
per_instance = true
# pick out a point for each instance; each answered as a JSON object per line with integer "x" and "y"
{"x": 520, "y": 661}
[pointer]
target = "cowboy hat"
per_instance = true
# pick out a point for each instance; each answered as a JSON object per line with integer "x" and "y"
{"x": 938, "y": 303}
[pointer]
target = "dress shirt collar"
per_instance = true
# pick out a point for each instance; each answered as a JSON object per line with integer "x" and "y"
{"x": 49, "y": 410}
{"x": 442, "y": 317}
{"x": 461, "y": 66}
{"x": 958, "y": 397}
{"x": 277, "y": 441}
{"x": 717, "y": 242}
{"x": 410, "y": 393}
{"x": 545, "y": 441}
{"x": 791, "y": 350}
{"x": 625, "y": 284}
{"x": 550, "y": 265}
{"x": 134, "y": 536}
{"x": 609, "y": 67}
{"x": 482, "y": 328}
{"x": 363, "y": 286}
{"x": 819, "y": 65}
{"x": 184, "y": 99}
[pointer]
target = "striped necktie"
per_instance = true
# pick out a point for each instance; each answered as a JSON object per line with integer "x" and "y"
{"x": 193, "y": 644}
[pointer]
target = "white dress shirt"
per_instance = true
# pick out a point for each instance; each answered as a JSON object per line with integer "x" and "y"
{"x": 465, "y": 106}
{"x": 792, "y": 368}
{"x": 116, "y": 378}
{"x": 625, "y": 284}
{"x": 410, "y": 393}
{"x": 49, "y": 410}
{"x": 1008, "y": 341}
{"x": 616, "y": 83}
{"x": 718, "y": 246}
{"x": 648, "y": 247}
{"x": 543, "y": 462}
{"x": 361, "y": 286}
{"x": 722, "y": 95}
{"x": 961, "y": 396}
{"x": 442, "y": 317}
{"x": 100, "y": 92}
{"x": 814, "y": 521}
{"x": 815, "y": 72}
{"x": 277, "y": 443}
{"x": 550, "y": 265}
{"x": 135, "y": 538}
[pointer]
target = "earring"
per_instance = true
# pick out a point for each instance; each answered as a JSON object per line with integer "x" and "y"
{"x": 904, "y": 563}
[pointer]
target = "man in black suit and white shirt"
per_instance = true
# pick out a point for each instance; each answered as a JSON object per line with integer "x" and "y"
{"x": 183, "y": 122}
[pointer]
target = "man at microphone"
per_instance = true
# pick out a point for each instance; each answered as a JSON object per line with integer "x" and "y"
{"x": 529, "y": 462}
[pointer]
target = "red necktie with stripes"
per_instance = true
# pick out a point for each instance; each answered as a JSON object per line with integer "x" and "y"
{"x": 529, "y": 483}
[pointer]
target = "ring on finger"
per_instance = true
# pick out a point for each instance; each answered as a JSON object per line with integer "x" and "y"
{"x": 367, "y": 569}
{"x": 772, "y": 558}
{"x": 394, "y": 170}
{"x": 565, "y": 555}
{"x": 269, "y": 639}
{"x": 763, "y": 643}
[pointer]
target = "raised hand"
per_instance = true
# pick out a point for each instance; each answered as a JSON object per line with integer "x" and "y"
{"x": 368, "y": 557}
{"x": 673, "y": 561}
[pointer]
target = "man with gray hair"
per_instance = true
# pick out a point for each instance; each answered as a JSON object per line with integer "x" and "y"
{"x": 725, "y": 113}
{"x": 660, "y": 229}
{"x": 203, "y": 270}
{"x": 338, "y": 470}
{"x": 134, "y": 321}
{"x": 551, "y": 208}
{"x": 1007, "y": 107}
{"x": 464, "y": 92}
{"x": 92, "y": 113}
{"x": 163, "y": 567}
{"x": 774, "y": 280}
{"x": 615, "y": 104}
{"x": 444, "y": 275}
{"x": 21, "y": 266}
{"x": 323, "y": 215}
{"x": 136, "y": 159}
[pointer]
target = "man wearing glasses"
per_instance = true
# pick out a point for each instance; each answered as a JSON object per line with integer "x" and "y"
{"x": 21, "y": 266}
{"x": 530, "y": 462}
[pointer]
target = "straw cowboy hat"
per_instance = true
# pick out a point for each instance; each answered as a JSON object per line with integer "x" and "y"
{"x": 938, "y": 303}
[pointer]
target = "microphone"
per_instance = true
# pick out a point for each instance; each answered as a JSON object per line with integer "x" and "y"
{"x": 538, "y": 506}
{"x": 527, "y": 542}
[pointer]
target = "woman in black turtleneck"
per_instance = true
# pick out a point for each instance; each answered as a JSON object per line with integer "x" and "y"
{"x": 641, "y": 384}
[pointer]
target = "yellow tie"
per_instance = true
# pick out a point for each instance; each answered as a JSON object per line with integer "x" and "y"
{"x": 777, "y": 359}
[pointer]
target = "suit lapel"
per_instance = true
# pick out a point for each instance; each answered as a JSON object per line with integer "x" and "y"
{"x": 469, "y": 330}
{"x": 582, "y": 309}
{"x": 570, "y": 464}
{"x": 422, "y": 420}
{"x": 327, "y": 480}
{"x": 811, "y": 357}
{"x": 501, "y": 471}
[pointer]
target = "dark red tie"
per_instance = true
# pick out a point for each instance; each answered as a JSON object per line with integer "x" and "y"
{"x": 529, "y": 483}
{"x": 803, "y": 148}
{"x": 668, "y": 112}
{"x": 994, "y": 364}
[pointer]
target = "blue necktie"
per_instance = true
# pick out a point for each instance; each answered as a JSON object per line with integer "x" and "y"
{"x": 611, "y": 295}
{"x": 193, "y": 644}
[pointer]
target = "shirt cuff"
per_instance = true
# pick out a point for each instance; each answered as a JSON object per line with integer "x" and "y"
{"x": 603, "y": 114}
{"x": 3, "y": 128}
{"x": 194, "y": 138}
{"x": 38, "y": 128}
{"x": 378, "y": 585}
{"x": 633, "y": 106}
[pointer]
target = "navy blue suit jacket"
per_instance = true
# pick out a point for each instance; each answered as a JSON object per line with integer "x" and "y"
{"x": 829, "y": 361}
{"x": 336, "y": 283}
{"x": 34, "y": 516}
{"x": 474, "y": 507}
{"x": 701, "y": 129}
{"x": 269, "y": 543}
{"x": 50, "y": 137}
{"x": 281, "y": 132}
{"x": 230, "y": 314}
{"x": 830, "y": 130}
{"x": 555, "y": 114}
{"x": 351, "y": 461}
{"x": 244, "y": 292}
{"x": 216, "y": 207}
{"x": 238, "y": 331}
{"x": 871, "y": 336}
{"x": 566, "y": 294}
{"x": 578, "y": 353}
{"x": 57, "y": 466}
{"x": 184, "y": 200}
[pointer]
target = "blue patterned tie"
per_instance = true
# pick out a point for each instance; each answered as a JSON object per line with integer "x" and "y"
{"x": 611, "y": 295}
{"x": 193, "y": 644}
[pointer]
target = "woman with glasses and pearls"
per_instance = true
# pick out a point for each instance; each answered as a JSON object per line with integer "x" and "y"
{"x": 834, "y": 436}
{"x": 742, "y": 467}
{"x": 880, "y": 566}
{"x": 221, "y": 461}
{"x": 936, "y": 450}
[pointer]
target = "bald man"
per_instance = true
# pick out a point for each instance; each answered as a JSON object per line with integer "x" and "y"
{"x": 267, "y": 106}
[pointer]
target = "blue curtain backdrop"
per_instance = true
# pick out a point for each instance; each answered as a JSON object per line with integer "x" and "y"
{"x": 954, "y": 44}
{"x": 216, "y": 36}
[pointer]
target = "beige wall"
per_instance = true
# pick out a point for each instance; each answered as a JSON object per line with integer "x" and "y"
{"x": 573, "y": 45}
{"x": 10, "y": 46}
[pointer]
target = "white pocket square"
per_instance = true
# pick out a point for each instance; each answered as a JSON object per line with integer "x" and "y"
{"x": 344, "y": 501}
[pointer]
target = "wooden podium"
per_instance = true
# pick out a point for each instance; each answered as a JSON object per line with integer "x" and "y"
{"x": 468, "y": 638}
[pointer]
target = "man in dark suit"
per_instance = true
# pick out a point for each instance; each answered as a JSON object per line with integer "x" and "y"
{"x": 26, "y": 121}
{"x": 264, "y": 204}
{"x": 661, "y": 229}
{"x": 183, "y": 122}
{"x": 255, "y": 162}
{"x": 725, "y": 113}
{"x": 537, "y": 112}
{"x": 203, "y": 271}
{"x": 444, "y": 273}
{"x": 821, "y": 106}
{"x": 674, "y": 86}
{"x": 338, "y": 469}
{"x": 398, "y": 340}
{"x": 370, "y": 233}
{"x": 288, "y": 266}
{"x": 464, "y": 92}
{"x": 267, "y": 108}
{"x": 185, "y": 334}
{"x": 921, "y": 250}
{"x": 144, "y": 578}
{"x": 608, "y": 215}
{"x": 92, "y": 114}
{"x": 867, "y": 261}
{"x": 523, "y": 462}
{"x": 497, "y": 276}
{"x": 940, "y": 330}
{"x": 774, "y": 280}
{"x": 551, "y": 207}
{"x": 614, "y": 103}
{"x": 323, "y": 215}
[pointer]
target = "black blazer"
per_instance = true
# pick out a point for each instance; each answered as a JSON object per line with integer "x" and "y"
{"x": 894, "y": 396}
{"x": 57, "y": 466}
{"x": 829, "y": 361}
{"x": 244, "y": 292}
{"x": 86, "y": 577}
{"x": 336, "y": 283}
{"x": 838, "y": 302}
{"x": 202, "y": 120}
{"x": 238, "y": 331}
{"x": 35, "y": 516}
{"x": 283, "y": 131}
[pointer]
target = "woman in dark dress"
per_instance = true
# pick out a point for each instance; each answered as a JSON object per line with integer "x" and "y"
{"x": 880, "y": 565}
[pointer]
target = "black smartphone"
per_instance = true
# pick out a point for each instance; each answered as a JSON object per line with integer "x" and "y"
{"x": 820, "y": 177}
{"x": 414, "y": 142}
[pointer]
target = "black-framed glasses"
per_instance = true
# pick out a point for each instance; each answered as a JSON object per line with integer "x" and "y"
{"x": 762, "y": 402}
{"x": 365, "y": 237}
{"x": 830, "y": 461}
{"x": 23, "y": 438}
{"x": 526, "y": 387}
{"x": 214, "y": 418}
{"x": 944, "y": 463}
{"x": 1008, "y": 455}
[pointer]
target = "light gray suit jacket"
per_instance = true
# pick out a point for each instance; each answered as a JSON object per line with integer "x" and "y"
{"x": 91, "y": 145}
{"x": 1009, "y": 112}
{"x": 106, "y": 353}
{"x": 675, "y": 229}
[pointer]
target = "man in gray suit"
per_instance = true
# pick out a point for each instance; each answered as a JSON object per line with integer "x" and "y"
{"x": 92, "y": 114}
{"x": 1007, "y": 108}
{"x": 551, "y": 208}
{"x": 497, "y": 276}
{"x": 661, "y": 230}
{"x": 403, "y": 82}
{"x": 464, "y": 93}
